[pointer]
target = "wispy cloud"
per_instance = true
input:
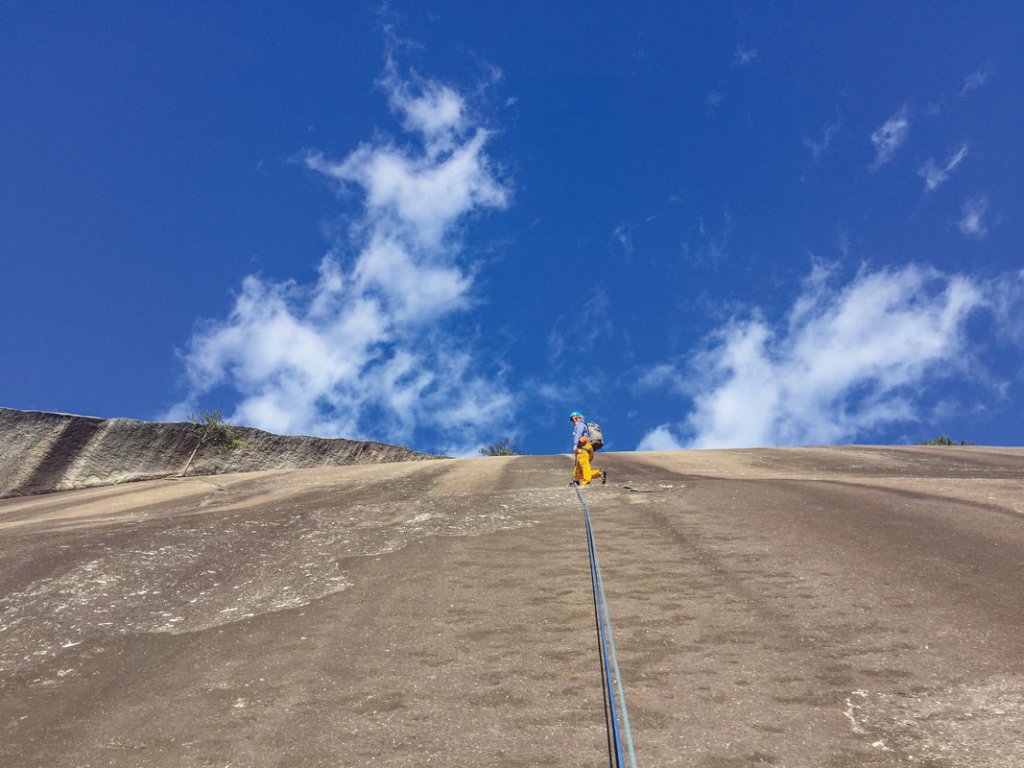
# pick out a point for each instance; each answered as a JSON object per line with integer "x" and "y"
{"x": 558, "y": 339}
{"x": 709, "y": 244}
{"x": 1008, "y": 307}
{"x": 972, "y": 216}
{"x": 744, "y": 56}
{"x": 578, "y": 333}
{"x": 934, "y": 174}
{"x": 364, "y": 351}
{"x": 715, "y": 98}
{"x": 842, "y": 243}
{"x": 844, "y": 363}
{"x": 624, "y": 237}
{"x": 890, "y": 137}
{"x": 973, "y": 82}
{"x": 575, "y": 347}
{"x": 819, "y": 147}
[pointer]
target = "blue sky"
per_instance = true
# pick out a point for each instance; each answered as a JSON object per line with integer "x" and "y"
{"x": 735, "y": 224}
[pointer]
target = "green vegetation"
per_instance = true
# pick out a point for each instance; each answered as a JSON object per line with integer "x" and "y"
{"x": 943, "y": 440}
{"x": 211, "y": 429}
{"x": 503, "y": 447}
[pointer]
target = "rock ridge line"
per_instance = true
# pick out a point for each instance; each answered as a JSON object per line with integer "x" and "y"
{"x": 42, "y": 452}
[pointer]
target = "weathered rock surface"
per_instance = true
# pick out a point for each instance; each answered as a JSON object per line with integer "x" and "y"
{"x": 42, "y": 452}
{"x": 808, "y": 608}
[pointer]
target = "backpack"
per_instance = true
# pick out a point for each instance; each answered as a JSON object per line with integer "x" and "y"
{"x": 595, "y": 435}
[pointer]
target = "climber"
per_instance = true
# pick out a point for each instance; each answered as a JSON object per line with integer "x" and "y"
{"x": 583, "y": 453}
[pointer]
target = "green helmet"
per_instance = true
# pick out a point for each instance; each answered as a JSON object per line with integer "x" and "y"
{"x": 574, "y": 414}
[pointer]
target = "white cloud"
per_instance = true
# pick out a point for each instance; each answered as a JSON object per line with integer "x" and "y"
{"x": 417, "y": 199}
{"x": 890, "y": 137}
{"x": 427, "y": 107}
{"x": 973, "y": 82}
{"x": 972, "y": 216}
{"x": 659, "y": 439}
{"x": 934, "y": 175}
{"x": 364, "y": 351}
{"x": 844, "y": 363}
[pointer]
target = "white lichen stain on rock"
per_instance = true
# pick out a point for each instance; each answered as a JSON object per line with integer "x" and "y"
{"x": 189, "y": 577}
{"x": 956, "y": 726}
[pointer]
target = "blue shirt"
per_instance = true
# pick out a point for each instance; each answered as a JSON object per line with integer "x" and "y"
{"x": 579, "y": 428}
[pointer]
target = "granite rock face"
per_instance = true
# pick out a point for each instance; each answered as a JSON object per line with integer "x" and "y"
{"x": 849, "y": 607}
{"x": 43, "y": 452}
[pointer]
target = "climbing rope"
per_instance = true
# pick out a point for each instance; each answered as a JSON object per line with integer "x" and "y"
{"x": 615, "y": 699}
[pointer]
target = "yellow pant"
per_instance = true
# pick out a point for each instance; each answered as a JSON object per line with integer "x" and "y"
{"x": 583, "y": 471}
